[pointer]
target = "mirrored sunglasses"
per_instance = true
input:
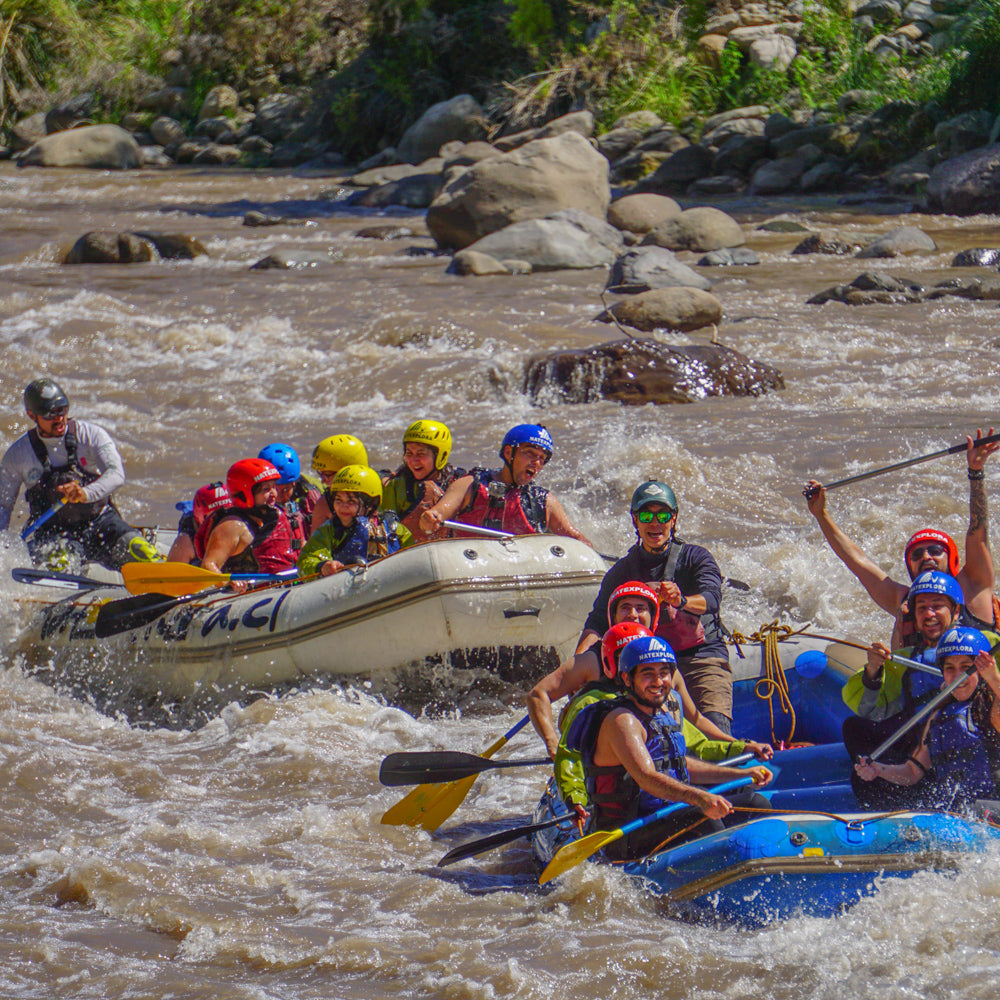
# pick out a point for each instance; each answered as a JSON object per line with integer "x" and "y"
{"x": 648, "y": 516}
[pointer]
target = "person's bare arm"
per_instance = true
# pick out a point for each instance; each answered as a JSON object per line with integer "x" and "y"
{"x": 454, "y": 499}
{"x": 227, "y": 539}
{"x": 320, "y": 515}
{"x": 182, "y": 550}
{"x": 565, "y": 680}
{"x": 978, "y": 577}
{"x": 557, "y": 520}
{"x": 887, "y": 593}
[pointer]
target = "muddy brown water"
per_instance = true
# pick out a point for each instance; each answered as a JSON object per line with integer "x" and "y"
{"x": 243, "y": 858}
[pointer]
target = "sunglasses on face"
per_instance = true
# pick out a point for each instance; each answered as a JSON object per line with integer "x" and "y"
{"x": 648, "y": 516}
{"x": 933, "y": 551}
{"x": 54, "y": 414}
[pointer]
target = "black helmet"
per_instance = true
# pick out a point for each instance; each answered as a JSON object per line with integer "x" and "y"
{"x": 43, "y": 396}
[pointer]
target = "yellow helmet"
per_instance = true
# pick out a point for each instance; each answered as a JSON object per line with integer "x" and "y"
{"x": 432, "y": 433}
{"x": 333, "y": 453}
{"x": 358, "y": 479}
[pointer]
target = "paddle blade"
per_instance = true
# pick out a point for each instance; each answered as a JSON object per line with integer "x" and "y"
{"x": 49, "y": 578}
{"x": 172, "y": 579}
{"x": 495, "y": 840}
{"x": 570, "y": 855}
{"x": 431, "y": 766}
{"x": 429, "y": 805}
{"x": 133, "y": 612}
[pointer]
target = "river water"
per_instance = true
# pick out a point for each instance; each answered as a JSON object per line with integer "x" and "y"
{"x": 244, "y": 858}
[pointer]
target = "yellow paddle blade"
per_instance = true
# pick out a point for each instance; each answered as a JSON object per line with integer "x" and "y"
{"x": 429, "y": 805}
{"x": 175, "y": 579}
{"x": 572, "y": 854}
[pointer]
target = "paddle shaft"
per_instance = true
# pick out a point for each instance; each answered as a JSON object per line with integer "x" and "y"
{"x": 915, "y": 665}
{"x": 579, "y": 850}
{"x": 953, "y": 450}
{"x": 30, "y": 529}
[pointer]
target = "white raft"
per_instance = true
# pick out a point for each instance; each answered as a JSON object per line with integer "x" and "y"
{"x": 465, "y": 603}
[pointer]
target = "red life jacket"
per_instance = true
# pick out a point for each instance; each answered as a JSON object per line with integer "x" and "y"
{"x": 270, "y": 549}
{"x": 519, "y": 509}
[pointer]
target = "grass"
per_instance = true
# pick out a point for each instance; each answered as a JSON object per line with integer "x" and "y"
{"x": 385, "y": 61}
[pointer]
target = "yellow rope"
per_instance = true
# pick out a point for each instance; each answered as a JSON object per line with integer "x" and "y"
{"x": 774, "y": 680}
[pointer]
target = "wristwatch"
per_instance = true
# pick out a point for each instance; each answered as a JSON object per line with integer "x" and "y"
{"x": 683, "y": 603}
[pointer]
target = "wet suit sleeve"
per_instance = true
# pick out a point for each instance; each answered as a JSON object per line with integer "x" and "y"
{"x": 699, "y": 573}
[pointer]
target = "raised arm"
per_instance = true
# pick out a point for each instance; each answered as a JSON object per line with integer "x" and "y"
{"x": 977, "y": 576}
{"x": 887, "y": 593}
{"x": 450, "y": 504}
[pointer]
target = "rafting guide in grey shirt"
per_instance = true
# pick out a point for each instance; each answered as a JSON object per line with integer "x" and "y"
{"x": 73, "y": 467}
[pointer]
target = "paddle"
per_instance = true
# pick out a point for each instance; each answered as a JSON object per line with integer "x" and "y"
{"x": 570, "y": 855}
{"x": 953, "y": 450}
{"x": 50, "y": 578}
{"x": 494, "y": 840}
{"x": 429, "y": 805}
{"x": 485, "y": 844}
{"x": 134, "y": 612}
{"x": 924, "y": 712}
{"x": 436, "y": 766}
{"x": 176, "y": 579}
{"x": 30, "y": 529}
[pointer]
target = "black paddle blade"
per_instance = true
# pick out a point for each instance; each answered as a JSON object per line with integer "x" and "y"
{"x": 432, "y": 766}
{"x": 132, "y": 612}
{"x": 495, "y": 840}
{"x": 50, "y": 578}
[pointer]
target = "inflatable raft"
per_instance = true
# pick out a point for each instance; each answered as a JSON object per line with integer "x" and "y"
{"x": 462, "y": 603}
{"x": 816, "y": 854}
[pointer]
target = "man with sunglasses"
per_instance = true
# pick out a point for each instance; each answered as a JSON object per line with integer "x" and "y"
{"x": 75, "y": 463}
{"x": 929, "y": 549}
{"x": 688, "y": 583}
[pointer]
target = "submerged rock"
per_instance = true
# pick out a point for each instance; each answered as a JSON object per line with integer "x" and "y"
{"x": 104, "y": 246}
{"x": 648, "y": 371}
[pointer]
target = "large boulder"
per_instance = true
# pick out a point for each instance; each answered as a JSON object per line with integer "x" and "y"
{"x": 642, "y": 269}
{"x": 899, "y": 241}
{"x": 648, "y": 371}
{"x": 462, "y": 118}
{"x": 546, "y": 244}
{"x": 531, "y": 182}
{"x": 677, "y": 308}
{"x": 697, "y": 229}
{"x": 106, "y": 147}
{"x": 638, "y": 213}
{"x": 968, "y": 184}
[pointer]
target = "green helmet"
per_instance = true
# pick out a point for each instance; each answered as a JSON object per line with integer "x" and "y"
{"x": 653, "y": 491}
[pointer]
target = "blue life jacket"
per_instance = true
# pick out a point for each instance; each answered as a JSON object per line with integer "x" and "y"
{"x": 368, "y": 538}
{"x": 614, "y": 795}
{"x": 961, "y": 768}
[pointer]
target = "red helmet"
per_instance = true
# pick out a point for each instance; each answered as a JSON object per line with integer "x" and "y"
{"x": 635, "y": 588}
{"x": 244, "y": 475}
{"x": 614, "y": 640}
{"x": 931, "y": 536}
{"x": 208, "y": 500}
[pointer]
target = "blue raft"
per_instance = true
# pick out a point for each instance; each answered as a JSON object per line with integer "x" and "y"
{"x": 819, "y": 854}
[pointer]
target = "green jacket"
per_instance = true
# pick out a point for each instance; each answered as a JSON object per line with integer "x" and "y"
{"x": 569, "y": 764}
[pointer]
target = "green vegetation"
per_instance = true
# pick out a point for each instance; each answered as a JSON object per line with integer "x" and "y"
{"x": 377, "y": 64}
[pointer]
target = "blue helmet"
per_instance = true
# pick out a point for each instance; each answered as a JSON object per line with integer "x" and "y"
{"x": 534, "y": 434}
{"x": 934, "y": 582}
{"x": 285, "y": 459}
{"x": 644, "y": 649}
{"x": 961, "y": 641}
